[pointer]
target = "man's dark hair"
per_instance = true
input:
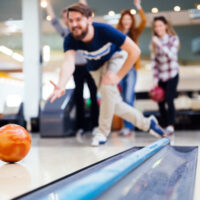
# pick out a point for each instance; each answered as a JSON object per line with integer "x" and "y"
{"x": 80, "y": 7}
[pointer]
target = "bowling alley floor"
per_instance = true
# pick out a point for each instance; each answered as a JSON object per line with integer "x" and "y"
{"x": 53, "y": 158}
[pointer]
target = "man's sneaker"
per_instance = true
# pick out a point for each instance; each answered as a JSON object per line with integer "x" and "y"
{"x": 94, "y": 131}
{"x": 155, "y": 129}
{"x": 169, "y": 131}
{"x": 125, "y": 132}
{"x": 98, "y": 139}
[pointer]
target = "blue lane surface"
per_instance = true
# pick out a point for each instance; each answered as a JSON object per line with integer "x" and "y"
{"x": 168, "y": 175}
{"x": 93, "y": 185}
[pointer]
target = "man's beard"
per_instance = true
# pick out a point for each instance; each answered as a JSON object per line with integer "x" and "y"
{"x": 82, "y": 35}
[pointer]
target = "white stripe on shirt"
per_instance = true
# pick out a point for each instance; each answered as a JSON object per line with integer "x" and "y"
{"x": 96, "y": 55}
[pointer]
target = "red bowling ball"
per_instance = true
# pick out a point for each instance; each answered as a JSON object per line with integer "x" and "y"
{"x": 15, "y": 143}
{"x": 157, "y": 94}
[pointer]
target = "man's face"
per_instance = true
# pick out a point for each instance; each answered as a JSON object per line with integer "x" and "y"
{"x": 78, "y": 25}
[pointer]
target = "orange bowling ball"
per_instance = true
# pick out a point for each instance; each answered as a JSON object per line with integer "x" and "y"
{"x": 15, "y": 143}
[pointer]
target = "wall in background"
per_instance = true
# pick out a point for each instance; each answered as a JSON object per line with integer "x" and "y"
{"x": 186, "y": 35}
{"x": 11, "y": 9}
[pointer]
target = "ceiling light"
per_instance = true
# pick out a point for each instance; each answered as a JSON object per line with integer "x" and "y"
{"x": 198, "y": 6}
{"x": 18, "y": 57}
{"x": 6, "y": 50}
{"x": 111, "y": 13}
{"x": 177, "y": 8}
{"x": 48, "y": 18}
{"x": 133, "y": 11}
{"x": 154, "y": 10}
{"x": 43, "y": 4}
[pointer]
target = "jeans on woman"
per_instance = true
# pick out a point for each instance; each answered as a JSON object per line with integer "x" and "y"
{"x": 128, "y": 91}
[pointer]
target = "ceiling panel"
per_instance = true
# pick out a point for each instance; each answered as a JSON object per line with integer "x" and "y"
{"x": 11, "y": 9}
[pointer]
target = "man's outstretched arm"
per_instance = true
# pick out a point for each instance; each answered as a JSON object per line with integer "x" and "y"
{"x": 66, "y": 72}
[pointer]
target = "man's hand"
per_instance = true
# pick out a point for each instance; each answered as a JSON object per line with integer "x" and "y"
{"x": 57, "y": 93}
{"x": 110, "y": 79}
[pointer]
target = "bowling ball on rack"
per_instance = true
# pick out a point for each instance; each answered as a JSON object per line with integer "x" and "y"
{"x": 15, "y": 143}
{"x": 157, "y": 94}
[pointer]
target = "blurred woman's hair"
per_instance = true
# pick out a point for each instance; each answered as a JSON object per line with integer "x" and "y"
{"x": 120, "y": 27}
{"x": 169, "y": 30}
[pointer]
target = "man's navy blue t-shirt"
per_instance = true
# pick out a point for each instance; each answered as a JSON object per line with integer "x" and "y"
{"x": 107, "y": 40}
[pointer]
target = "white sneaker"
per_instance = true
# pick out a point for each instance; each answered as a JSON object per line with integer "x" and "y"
{"x": 94, "y": 131}
{"x": 98, "y": 139}
{"x": 125, "y": 132}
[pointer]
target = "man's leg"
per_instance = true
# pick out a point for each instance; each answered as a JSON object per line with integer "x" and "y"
{"x": 122, "y": 109}
{"x": 106, "y": 109}
{"x": 134, "y": 116}
{"x": 125, "y": 111}
{"x": 111, "y": 101}
{"x": 130, "y": 113}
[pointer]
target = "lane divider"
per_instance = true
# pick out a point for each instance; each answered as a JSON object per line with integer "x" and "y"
{"x": 92, "y": 186}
